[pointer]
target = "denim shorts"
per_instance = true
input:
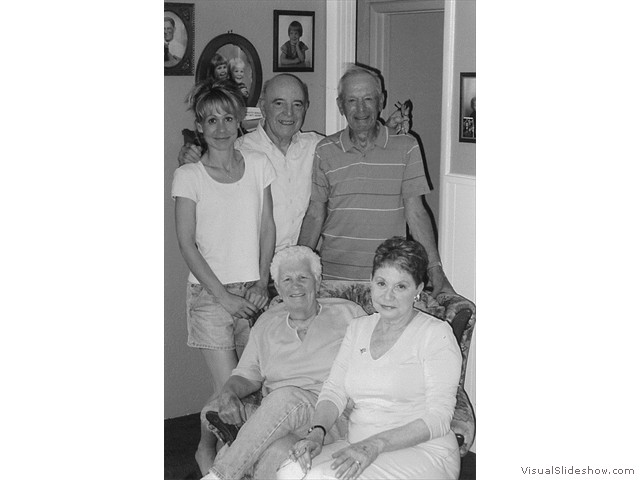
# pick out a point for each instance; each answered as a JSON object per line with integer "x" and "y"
{"x": 209, "y": 325}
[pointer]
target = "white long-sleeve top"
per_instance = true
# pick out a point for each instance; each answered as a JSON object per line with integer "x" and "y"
{"x": 416, "y": 378}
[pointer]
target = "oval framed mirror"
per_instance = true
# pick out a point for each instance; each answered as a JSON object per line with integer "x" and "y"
{"x": 240, "y": 56}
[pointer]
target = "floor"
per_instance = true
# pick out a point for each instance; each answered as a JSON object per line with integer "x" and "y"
{"x": 181, "y": 437}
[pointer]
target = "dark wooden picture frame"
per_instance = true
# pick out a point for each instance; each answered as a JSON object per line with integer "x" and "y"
{"x": 228, "y": 47}
{"x": 467, "y": 122}
{"x": 282, "y": 20}
{"x": 179, "y": 29}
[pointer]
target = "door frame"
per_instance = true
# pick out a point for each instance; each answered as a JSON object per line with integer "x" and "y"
{"x": 340, "y": 50}
{"x": 379, "y": 25}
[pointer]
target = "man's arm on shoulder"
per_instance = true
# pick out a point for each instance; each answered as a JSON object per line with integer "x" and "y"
{"x": 420, "y": 227}
{"x": 312, "y": 224}
{"x": 314, "y": 218}
{"x": 189, "y": 153}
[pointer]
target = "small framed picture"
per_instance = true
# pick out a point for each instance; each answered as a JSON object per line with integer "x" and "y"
{"x": 468, "y": 124}
{"x": 178, "y": 39}
{"x": 293, "y": 41}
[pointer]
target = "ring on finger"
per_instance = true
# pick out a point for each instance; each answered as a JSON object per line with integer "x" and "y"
{"x": 357, "y": 464}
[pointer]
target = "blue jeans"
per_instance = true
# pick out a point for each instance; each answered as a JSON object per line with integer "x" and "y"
{"x": 286, "y": 410}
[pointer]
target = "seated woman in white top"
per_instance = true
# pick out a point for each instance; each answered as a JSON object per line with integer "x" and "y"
{"x": 401, "y": 368}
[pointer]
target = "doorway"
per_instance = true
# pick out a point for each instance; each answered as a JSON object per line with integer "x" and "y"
{"x": 404, "y": 40}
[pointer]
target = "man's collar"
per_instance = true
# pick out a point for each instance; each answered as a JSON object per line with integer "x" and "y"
{"x": 380, "y": 141}
{"x": 263, "y": 134}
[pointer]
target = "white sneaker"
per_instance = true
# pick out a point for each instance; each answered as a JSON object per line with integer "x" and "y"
{"x": 211, "y": 476}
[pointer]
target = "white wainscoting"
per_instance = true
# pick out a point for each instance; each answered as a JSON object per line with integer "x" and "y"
{"x": 458, "y": 232}
{"x": 458, "y": 251}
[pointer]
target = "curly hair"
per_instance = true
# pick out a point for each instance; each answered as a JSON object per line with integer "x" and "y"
{"x": 218, "y": 60}
{"x": 300, "y": 253}
{"x": 407, "y": 255}
{"x": 236, "y": 62}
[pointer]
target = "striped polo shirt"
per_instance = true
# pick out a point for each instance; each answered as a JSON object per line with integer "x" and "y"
{"x": 364, "y": 191}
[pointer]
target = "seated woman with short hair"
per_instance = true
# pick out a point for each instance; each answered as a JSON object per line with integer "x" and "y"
{"x": 288, "y": 357}
{"x": 401, "y": 369}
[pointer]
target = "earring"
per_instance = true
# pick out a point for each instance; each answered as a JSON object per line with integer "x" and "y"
{"x": 417, "y": 297}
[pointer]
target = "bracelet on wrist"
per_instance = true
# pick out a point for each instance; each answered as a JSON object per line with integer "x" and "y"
{"x": 434, "y": 264}
{"x": 324, "y": 431}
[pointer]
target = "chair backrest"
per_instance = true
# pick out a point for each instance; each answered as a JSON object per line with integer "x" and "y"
{"x": 360, "y": 294}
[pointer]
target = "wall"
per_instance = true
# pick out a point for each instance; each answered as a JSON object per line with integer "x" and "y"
{"x": 187, "y": 380}
{"x": 463, "y": 155}
{"x": 458, "y": 206}
{"x": 416, "y": 74}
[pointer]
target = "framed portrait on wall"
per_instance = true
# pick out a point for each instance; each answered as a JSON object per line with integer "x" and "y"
{"x": 178, "y": 38}
{"x": 232, "y": 56}
{"x": 293, "y": 41}
{"x": 468, "y": 124}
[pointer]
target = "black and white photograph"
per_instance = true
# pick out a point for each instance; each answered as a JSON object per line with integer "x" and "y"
{"x": 468, "y": 127}
{"x": 468, "y": 107}
{"x": 293, "y": 45}
{"x": 178, "y": 39}
{"x": 232, "y": 58}
{"x": 295, "y": 295}
{"x": 284, "y": 244}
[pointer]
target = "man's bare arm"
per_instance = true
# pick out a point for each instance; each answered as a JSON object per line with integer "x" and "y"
{"x": 312, "y": 224}
{"x": 420, "y": 227}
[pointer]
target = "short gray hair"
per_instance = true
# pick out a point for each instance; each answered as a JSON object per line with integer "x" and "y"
{"x": 300, "y": 253}
{"x": 353, "y": 69}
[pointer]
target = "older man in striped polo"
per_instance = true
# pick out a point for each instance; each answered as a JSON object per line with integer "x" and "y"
{"x": 368, "y": 184}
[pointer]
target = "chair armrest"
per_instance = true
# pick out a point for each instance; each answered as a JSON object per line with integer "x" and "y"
{"x": 459, "y": 323}
{"x": 454, "y": 303}
{"x": 463, "y": 423}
